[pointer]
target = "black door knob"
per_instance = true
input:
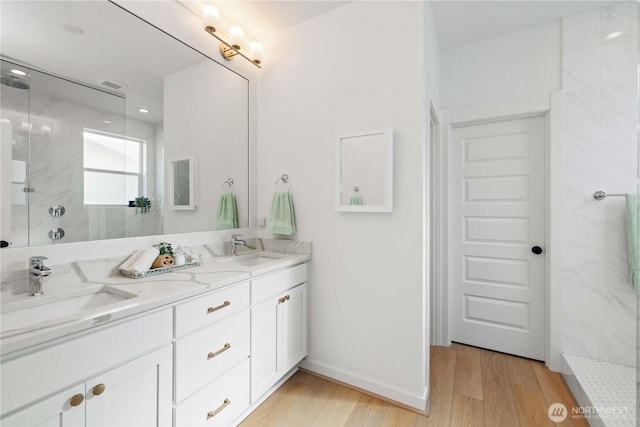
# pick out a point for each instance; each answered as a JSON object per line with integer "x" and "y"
{"x": 536, "y": 250}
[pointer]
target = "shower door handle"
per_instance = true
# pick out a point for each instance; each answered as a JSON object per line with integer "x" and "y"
{"x": 536, "y": 250}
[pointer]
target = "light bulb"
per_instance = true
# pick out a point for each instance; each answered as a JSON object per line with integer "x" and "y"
{"x": 236, "y": 35}
{"x": 256, "y": 52}
{"x": 210, "y": 18}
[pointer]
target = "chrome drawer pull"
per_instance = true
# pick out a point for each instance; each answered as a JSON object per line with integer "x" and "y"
{"x": 212, "y": 414}
{"x": 213, "y": 354}
{"x": 223, "y": 305}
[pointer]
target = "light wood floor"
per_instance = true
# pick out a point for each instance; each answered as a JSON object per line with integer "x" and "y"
{"x": 469, "y": 387}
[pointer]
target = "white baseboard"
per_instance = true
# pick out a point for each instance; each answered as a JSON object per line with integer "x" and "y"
{"x": 418, "y": 402}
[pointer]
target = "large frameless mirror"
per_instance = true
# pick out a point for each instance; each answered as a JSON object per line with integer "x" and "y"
{"x": 91, "y": 118}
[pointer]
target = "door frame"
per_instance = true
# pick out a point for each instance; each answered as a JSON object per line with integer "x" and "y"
{"x": 437, "y": 233}
{"x": 548, "y": 105}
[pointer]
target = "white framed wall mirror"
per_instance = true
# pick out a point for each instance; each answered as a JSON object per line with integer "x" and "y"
{"x": 182, "y": 184}
{"x": 364, "y": 181}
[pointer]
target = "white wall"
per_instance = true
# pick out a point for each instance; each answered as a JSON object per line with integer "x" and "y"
{"x": 336, "y": 73}
{"x": 431, "y": 57}
{"x": 516, "y": 64}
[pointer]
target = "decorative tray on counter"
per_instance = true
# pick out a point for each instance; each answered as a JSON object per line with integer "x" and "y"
{"x": 161, "y": 270}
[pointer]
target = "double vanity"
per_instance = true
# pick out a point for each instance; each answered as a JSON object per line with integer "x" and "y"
{"x": 199, "y": 346}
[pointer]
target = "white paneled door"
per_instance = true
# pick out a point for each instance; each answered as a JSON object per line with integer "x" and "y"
{"x": 498, "y": 227}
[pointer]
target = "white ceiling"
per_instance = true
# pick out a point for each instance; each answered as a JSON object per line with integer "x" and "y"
{"x": 261, "y": 19}
{"x": 456, "y": 21}
{"x": 460, "y": 22}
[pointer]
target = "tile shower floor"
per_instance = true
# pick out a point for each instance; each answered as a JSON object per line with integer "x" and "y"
{"x": 604, "y": 387}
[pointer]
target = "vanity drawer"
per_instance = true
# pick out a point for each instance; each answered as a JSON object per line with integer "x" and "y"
{"x": 272, "y": 284}
{"x": 210, "y": 308}
{"x": 218, "y": 404}
{"x": 210, "y": 352}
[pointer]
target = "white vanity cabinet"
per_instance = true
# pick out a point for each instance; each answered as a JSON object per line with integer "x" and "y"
{"x": 135, "y": 394}
{"x": 63, "y": 409}
{"x": 278, "y": 326}
{"x": 201, "y": 361}
{"x": 212, "y": 350}
{"x": 122, "y": 376}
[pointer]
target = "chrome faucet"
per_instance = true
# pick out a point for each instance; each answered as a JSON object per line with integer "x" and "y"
{"x": 235, "y": 242}
{"x": 38, "y": 274}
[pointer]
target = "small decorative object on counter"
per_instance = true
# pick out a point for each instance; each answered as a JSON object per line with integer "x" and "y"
{"x": 163, "y": 261}
{"x": 143, "y": 204}
{"x": 179, "y": 256}
{"x": 165, "y": 248}
{"x": 165, "y": 258}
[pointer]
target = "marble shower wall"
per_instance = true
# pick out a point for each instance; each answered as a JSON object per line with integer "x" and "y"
{"x": 54, "y": 147}
{"x": 600, "y": 152}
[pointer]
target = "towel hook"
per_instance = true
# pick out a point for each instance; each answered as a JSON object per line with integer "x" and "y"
{"x": 228, "y": 182}
{"x": 356, "y": 188}
{"x": 284, "y": 178}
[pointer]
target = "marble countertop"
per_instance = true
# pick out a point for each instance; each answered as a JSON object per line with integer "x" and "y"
{"x": 144, "y": 294}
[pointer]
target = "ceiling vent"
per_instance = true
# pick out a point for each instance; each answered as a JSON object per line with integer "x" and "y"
{"x": 112, "y": 84}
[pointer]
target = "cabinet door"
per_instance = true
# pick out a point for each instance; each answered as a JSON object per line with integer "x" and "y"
{"x": 292, "y": 328}
{"x": 63, "y": 409}
{"x": 135, "y": 394}
{"x": 264, "y": 355}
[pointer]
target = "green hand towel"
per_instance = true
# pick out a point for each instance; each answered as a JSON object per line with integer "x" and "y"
{"x": 355, "y": 200}
{"x": 282, "y": 219}
{"x": 227, "y": 212}
{"x": 632, "y": 239}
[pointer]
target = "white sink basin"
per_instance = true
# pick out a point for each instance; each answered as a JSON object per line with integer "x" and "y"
{"x": 251, "y": 260}
{"x": 45, "y": 309}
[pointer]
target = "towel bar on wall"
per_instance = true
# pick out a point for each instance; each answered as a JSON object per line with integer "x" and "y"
{"x": 601, "y": 195}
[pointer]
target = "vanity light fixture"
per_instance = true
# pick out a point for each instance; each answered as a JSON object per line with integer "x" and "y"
{"x": 236, "y": 44}
{"x": 18, "y": 72}
{"x": 143, "y": 110}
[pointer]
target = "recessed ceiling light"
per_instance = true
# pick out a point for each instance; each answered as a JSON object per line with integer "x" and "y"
{"x": 108, "y": 122}
{"x": 72, "y": 29}
{"x": 613, "y": 35}
{"x": 143, "y": 110}
{"x": 19, "y": 72}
